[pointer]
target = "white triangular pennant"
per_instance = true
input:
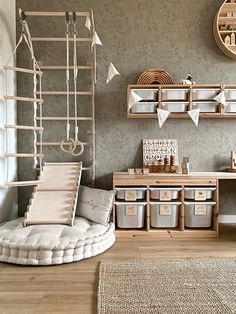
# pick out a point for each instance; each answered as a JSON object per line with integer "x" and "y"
{"x": 88, "y": 23}
{"x": 194, "y": 115}
{"x": 96, "y": 40}
{"x": 162, "y": 116}
{"x": 133, "y": 99}
{"x": 112, "y": 71}
{"x": 221, "y": 98}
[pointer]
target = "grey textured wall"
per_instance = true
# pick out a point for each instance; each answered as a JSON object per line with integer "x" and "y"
{"x": 175, "y": 35}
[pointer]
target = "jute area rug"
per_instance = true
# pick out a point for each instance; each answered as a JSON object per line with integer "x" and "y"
{"x": 206, "y": 286}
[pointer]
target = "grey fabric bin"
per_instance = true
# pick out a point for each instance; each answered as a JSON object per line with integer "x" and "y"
{"x": 168, "y": 218}
{"x": 210, "y": 106}
{"x": 175, "y": 106}
{"x": 140, "y": 193}
{"x": 230, "y": 94}
{"x": 202, "y": 220}
{"x": 158, "y": 193}
{"x": 144, "y": 107}
{"x": 199, "y": 193}
{"x": 230, "y": 107}
{"x": 146, "y": 93}
{"x": 125, "y": 221}
{"x": 205, "y": 93}
{"x": 174, "y": 94}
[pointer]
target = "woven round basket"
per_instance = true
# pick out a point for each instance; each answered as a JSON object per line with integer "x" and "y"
{"x": 155, "y": 76}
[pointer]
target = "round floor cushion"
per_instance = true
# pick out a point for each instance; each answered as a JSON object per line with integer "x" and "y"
{"x": 53, "y": 244}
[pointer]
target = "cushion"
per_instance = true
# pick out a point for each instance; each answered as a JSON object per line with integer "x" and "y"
{"x": 53, "y": 244}
{"x": 95, "y": 204}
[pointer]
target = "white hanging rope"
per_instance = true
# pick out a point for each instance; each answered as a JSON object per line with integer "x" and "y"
{"x": 68, "y": 144}
{"x": 78, "y": 143}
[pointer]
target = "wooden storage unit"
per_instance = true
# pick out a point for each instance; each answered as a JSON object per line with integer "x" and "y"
{"x": 224, "y": 28}
{"x": 183, "y": 98}
{"x": 197, "y": 179}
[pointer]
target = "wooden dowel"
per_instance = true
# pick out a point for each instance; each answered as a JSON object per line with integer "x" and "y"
{"x": 23, "y": 99}
{"x": 16, "y": 69}
{"x": 22, "y": 127}
{"x": 58, "y": 144}
{"x": 20, "y": 155}
{"x": 64, "y": 67}
{"x": 64, "y": 119}
{"x": 59, "y": 39}
{"x": 64, "y": 93}
{"x": 23, "y": 183}
{"x": 38, "y": 13}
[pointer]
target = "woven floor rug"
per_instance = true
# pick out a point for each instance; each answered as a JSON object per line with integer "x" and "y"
{"x": 190, "y": 286}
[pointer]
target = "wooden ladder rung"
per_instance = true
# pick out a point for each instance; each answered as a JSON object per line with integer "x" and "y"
{"x": 22, "y": 155}
{"x": 64, "y": 93}
{"x": 23, "y": 99}
{"x": 23, "y": 127}
{"x": 57, "y": 144}
{"x": 16, "y": 69}
{"x": 36, "y": 13}
{"x": 64, "y": 67}
{"x": 60, "y": 39}
{"x": 64, "y": 119}
{"x": 23, "y": 183}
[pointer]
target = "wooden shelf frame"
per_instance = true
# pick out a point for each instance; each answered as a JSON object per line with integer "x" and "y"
{"x": 221, "y": 18}
{"x": 207, "y": 179}
{"x": 219, "y": 114}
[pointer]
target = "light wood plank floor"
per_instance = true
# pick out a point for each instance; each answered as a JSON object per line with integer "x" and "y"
{"x": 72, "y": 288}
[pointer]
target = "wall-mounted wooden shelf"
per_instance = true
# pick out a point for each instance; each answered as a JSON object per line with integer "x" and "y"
{"x": 225, "y": 25}
{"x": 178, "y": 99}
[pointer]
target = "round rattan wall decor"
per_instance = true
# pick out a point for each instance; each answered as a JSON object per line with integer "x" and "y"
{"x": 155, "y": 77}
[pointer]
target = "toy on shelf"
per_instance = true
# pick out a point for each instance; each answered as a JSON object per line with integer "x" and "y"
{"x": 189, "y": 80}
{"x": 160, "y": 155}
{"x": 185, "y": 165}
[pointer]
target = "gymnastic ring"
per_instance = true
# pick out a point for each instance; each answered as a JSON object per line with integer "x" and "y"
{"x": 80, "y": 152}
{"x": 71, "y": 142}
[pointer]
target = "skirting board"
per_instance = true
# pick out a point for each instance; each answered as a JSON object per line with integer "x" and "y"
{"x": 227, "y": 219}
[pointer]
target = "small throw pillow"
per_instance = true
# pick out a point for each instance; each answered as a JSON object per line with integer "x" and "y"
{"x": 95, "y": 204}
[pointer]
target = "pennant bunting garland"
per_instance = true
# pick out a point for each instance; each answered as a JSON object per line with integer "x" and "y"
{"x": 112, "y": 71}
{"x": 162, "y": 116}
{"x": 194, "y": 115}
{"x": 88, "y": 23}
{"x": 96, "y": 40}
{"x": 133, "y": 99}
{"x": 221, "y": 98}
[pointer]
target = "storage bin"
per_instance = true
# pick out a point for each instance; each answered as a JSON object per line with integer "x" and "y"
{"x": 164, "y": 194}
{"x": 198, "y": 215}
{"x": 130, "y": 215}
{"x": 130, "y": 194}
{"x": 175, "y": 106}
{"x": 204, "y": 94}
{"x": 144, "y": 107}
{"x": 146, "y": 93}
{"x": 230, "y": 107}
{"x": 174, "y": 94}
{"x": 206, "y": 106}
{"x": 164, "y": 215}
{"x": 230, "y": 94}
{"x": 199, "y": 193}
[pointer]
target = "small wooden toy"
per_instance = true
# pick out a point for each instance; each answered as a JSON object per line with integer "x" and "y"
{"x": 232, "y": 37}
{"x": 227, "y": 40}
{"x": 233, "y": 160}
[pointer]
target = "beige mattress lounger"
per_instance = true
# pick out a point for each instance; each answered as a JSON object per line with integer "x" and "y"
{"x": 53, "y": 244}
